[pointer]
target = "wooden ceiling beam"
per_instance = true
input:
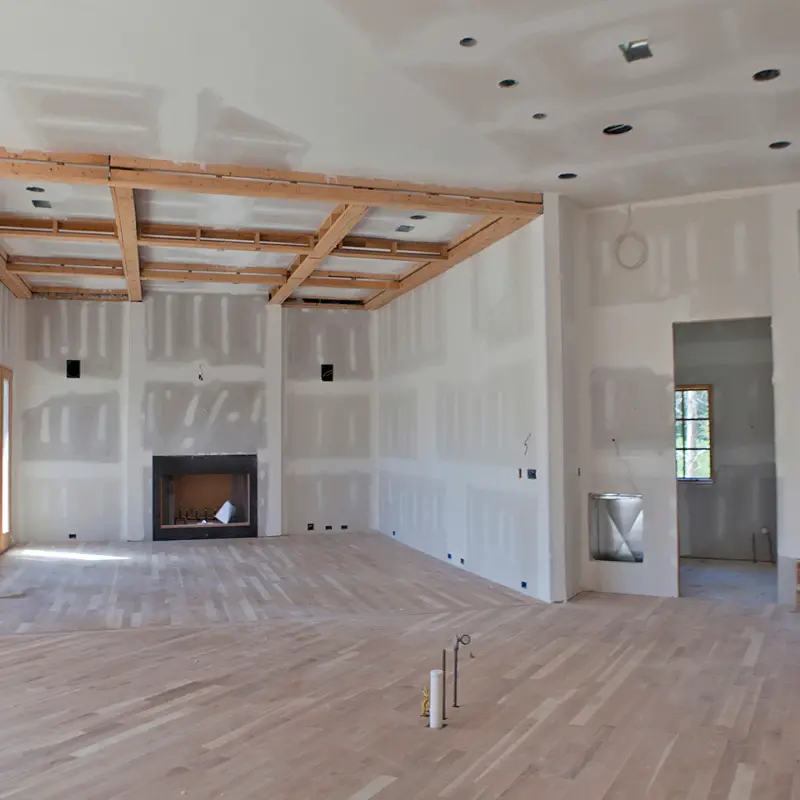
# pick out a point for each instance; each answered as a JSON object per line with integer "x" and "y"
{"x": 481, "y": 236}
{"x": 340, "y": 222}
{"x": 55, "y": 261}
{"x": 63, "y": 270}
{"x": 14, "y": 283}
{"x": 77, "y": 293}
{"x": 169, "y": 270}
{"x": 128, "y": 235}
{"x": 233, "y": 180}
{"x": 160, "y": 234}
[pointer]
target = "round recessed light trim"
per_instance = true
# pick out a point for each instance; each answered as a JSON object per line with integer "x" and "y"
{"x": 617, "y": 130}
{"x": 766, "y": 75}
{"x": 508, "y": 83}
{"x": 540, "y": 115}
{"x": 34, "y": 189}
{"x": 782, "y": 145}
{"x": 468, "y": 41}
{"x": 567, "y": 176}
{"x": 418, "y": 216}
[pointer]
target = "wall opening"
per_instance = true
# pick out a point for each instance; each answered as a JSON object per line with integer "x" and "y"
{"x": 725, "y": 459}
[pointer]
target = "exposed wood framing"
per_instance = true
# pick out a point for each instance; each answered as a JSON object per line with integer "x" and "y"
{"x": 156, "y": 234}
{"x": 133, "y": 173}
{"x": 480, "y": 238}
{"x": 14, "y": 283}
{"x": 77, "y": 293}
{"x": 341, "y": 221}
{"x": 128, "y": 234}
{"x": 502, "y": 212}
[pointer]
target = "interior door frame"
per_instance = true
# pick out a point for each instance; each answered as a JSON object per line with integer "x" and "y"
{"x": 6, "y": 539}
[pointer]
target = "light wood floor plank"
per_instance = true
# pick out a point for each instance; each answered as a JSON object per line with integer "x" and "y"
{"x": 293, "y": 668}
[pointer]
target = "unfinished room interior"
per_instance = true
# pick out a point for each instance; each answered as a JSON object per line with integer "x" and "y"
{"x": 400, "y": 400}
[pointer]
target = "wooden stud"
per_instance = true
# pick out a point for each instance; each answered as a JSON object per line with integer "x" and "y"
{"x": 127, "y": 233}
{"x": 63, "y": 270}
{"x": 341, "y": 221}
{"x": 75, "y": 230}
{"x": 159, "y": 234}
{"x": 14, "y": 283}
{"x": 77, "y": 293}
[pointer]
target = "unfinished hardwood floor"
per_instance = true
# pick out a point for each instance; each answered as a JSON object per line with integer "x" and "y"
{"x": 607, "y": 697}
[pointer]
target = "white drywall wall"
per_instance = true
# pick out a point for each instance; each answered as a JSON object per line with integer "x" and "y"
{"x": 462, "y": 386}
{"x": 328, "y": 468}
{"x": 734, "y": 357}
{"x": 716, "y": 257}
{"x": 180, "y": 374}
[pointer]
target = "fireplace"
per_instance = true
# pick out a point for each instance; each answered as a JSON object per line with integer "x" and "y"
{"x": 204, "y": 497}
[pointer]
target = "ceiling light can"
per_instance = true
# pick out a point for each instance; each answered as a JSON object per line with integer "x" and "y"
{"x": 766, "y": 75}
{"x": 468, "y": 41}
{"x": 567, "y": 176}
{"x": 782, "y": 145}
{"x": 508, "y": 83}
{"x": 540, "y": 115}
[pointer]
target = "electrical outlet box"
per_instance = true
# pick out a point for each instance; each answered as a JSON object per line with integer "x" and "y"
{"x": 73, "y": 368}
{"x": 524, "y": 584}
{"x": 450, "y": 556}
{"x": 329, "y": 527}
{"x": 531, "y": 474}
{"x": 461, "y": 560}
{"x": 326, "y": 372}
{"x": 310, "y": 526}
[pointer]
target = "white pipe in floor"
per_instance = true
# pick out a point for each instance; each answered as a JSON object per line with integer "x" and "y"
{"x": 436, "y": 698}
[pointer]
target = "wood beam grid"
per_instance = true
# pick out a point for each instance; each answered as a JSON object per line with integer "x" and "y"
{"x": 502, "y": 212}
{"x": 477, "y": 238}
{"x": 105, "y": 170}
{"x": 128, "y": 233}
{"x": 160, "y": 234}
{"x": 340, "y": 222}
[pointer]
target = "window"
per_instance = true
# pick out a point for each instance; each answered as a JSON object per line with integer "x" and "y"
{"x": 693, "y": 433}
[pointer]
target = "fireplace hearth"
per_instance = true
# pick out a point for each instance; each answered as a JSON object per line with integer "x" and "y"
{"x": 204, "y": 497}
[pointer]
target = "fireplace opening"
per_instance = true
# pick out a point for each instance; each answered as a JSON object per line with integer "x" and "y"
{"x": 204, "y": 497}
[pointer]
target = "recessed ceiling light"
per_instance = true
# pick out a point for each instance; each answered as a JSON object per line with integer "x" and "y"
{"x": 616, "y": 130}
{"x": 404, "y": 228}
{"x": 766, "y": 75}
{"x": 568, "y": 176}
{"x": 34, "y": 189}
{"x": 418, "y": 216}
{"x": 41, "y": 204}
{"x": 780, "y": 145}
{"x": 540, "y": 115}
{"x": 468, "y": 41}
{"x": 508, "y": 83}
{"x": 636, "y": 51}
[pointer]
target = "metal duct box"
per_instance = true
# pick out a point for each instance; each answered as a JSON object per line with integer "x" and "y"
{"x": 616, "y": 527}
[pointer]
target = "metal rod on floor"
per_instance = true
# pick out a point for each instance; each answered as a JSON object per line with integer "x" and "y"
{"x": 444, "y": 683}
{"x": 455, "y": 673}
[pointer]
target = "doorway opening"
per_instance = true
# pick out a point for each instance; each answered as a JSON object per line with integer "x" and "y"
{"x": 725, "y": 460}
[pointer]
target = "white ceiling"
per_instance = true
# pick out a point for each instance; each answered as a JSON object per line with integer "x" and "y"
{"x": 381, "y": 88}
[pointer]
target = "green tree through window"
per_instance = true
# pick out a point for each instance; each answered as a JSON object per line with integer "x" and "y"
{"x": 693, "y": 433}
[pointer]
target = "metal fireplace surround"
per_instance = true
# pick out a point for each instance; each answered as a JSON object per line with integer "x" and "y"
{"x": 166, "y": 467}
